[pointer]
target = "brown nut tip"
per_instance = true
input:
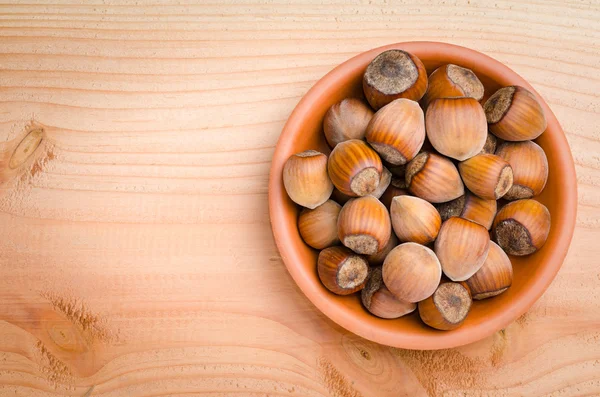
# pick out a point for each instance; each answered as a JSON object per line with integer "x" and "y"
{"x": 466, "y": 80}
{"x": 394, "y": 74}
{"x": 522, "y": 227}
{"x": 447, "y": 308}
{"x": 342, "y": 271}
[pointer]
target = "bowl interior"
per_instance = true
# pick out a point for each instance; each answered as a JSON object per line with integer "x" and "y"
{"x": 532, "y": 274}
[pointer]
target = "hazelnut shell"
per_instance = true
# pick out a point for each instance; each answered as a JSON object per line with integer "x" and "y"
{"x": 414, "y": 219}
{"x": 447, "y": 308}
{"x": 394, "y": 74}
{"x": 521, "y": 227}
{"x": 384, "y": 183}
{"x": 354, "y": 168}
{"x": 364, "y": 225}
{"x": 479, "y": 210}
{"x": 397, "y": 131}
{"x": 456, "y": 127}
{"x": 342, "y": 271}
{"x": 452, "y": 81}
{"x": 378, "y": 300}
{"x": 318, "y": 227}
{"x": 433, "y": 178}
{"x": 306, "y": 180}
{"x": 487, "y": 175}
{"x": 345, "y": 120}
{"x": 461, "y": 246}
{"x": 470, "y": 207}
{"x": 411, "y": 272}
{"x": 494, "y": 277}
{"x": 514, "y": 114}
{"x": 530, "y": 168}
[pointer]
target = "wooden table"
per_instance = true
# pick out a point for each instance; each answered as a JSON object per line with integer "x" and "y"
{"x": 136, "y": 256}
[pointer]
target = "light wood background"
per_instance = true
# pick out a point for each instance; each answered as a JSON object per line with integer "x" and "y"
{"x": 136, "y": 257}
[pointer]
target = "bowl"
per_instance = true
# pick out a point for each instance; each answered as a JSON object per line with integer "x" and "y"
{"x": 532, "y": 274}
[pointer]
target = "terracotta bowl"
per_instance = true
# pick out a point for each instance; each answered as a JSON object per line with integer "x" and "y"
{"x": 532, "y": 274}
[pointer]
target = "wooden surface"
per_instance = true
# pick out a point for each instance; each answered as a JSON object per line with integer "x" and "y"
{"x": 136, "y": 257}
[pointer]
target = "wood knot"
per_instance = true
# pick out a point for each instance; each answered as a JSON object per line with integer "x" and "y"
{"x": 365, "y": 356}
{"x": 66, "y": 337}
{"x": 26, "y": 148}
{"x": 61, "y": 332}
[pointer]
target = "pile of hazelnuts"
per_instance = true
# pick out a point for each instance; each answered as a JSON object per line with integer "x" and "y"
{"x": 403, "y": 207}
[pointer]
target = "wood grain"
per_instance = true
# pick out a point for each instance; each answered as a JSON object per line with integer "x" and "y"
{"x": 136, "y": 252}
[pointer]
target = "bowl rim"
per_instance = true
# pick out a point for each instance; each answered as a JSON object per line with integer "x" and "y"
{"x": 441, "y": 340}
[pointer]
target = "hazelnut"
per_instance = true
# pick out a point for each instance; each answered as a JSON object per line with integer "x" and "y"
{"x": 514, "y": 114}
{"x": 391, "y": 192}
{"x": 378, "y": 300}
{"x": 305, "y": 179}
{"x": 384, "y": 182}
{"x": 456, "y": 127}
{"x": 490, "y": 144}
{"x": 342, "y": 271}
{"x": 447, "y": 308}
{"x": 494, "y": 277}
{"x": 487, "y": 175}
{"x": 470, "y": 207}
{"x": 461, "y": 246}
{"x": 346, "y": 120}
{"x": 521, "y": 227}
{"x": 394, "y": 74}
{"x": 530, "y": 168}
{"x": 397, "y": 131}
{"x": 414, "y": 219}
{"x": 364, "y": 225}
{"x": 479, "y": 210}
{"x": 354, "y": 168}
{"x": 433, "y": 178}
{"x": 452, "y": 81}
{"x": 411, "y": 272}
{"x": 318, "y": 227}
